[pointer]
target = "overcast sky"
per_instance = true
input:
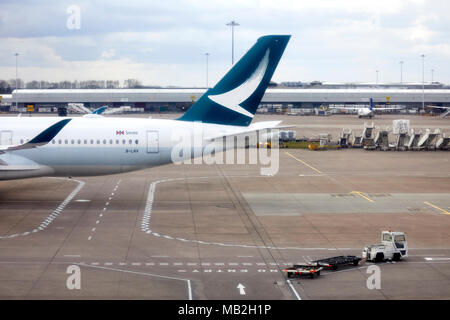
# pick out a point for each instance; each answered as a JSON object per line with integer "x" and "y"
{"x": 164, "y": 42}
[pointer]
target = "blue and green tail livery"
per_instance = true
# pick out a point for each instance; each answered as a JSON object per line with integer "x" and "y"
{"x": 235, "y": 98}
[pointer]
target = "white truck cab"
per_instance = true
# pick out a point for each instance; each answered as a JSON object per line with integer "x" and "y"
{"x": 393, "y": 247}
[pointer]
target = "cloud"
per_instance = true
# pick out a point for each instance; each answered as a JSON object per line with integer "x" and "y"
{"x": 163, "y": 42}
{"x": 108, "y": 54}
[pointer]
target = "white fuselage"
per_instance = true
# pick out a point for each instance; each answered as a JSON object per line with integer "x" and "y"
{"x": 97, "y": 146}
{"x": 365, "y": 112}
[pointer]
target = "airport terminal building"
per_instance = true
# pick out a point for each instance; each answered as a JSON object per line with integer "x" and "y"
{"x": 275, "y": 98}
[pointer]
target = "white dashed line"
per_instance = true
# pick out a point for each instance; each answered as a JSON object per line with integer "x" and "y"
{"x": 146, "y": 218}
{"x": 47, "y": 221}
{"x": 101, "y": 214}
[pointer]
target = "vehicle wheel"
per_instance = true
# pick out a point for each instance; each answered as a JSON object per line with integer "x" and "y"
{"x": 318, "y": 273}
{"x": 396, "y": 256}
{"x": 355, "y": 263}
{"x": 335, "y": 267}
{"x": 379, "y": 257}
{"x": 289, "y": 275}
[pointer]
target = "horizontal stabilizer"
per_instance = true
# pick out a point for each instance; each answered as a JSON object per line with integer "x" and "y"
{"x": 253, "y": 128}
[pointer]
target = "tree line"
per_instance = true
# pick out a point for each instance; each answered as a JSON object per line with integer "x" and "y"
{"x": 7, "y": 86}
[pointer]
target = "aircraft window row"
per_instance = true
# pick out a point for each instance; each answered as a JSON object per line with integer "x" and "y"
{"x": 91, "y": 141}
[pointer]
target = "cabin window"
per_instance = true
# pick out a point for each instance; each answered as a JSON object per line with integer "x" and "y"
{"x": 59, "y": 141}
{"x": 66, "y": 141}
{"x": 110, "y": 141}
{"x": 98, "y": 141}
{"x": 123, "y": 141}
{"x": 130, "y": 141}
{"x": 137, "y": 141}
{"x": 104, "y": 141}
{"x": 53, "y": 141}
{"x": 21, "y": 141}
{"x": 117, "y": 141}
{"x": 92, "y": 141}
{"x": 79, "y": 141}
{"x": 85, "y": 141}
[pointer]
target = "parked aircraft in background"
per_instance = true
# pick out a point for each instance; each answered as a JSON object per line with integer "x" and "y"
{"x": 367, "y": 112}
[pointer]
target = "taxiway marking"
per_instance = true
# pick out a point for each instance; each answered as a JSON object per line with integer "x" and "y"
{"x": 47, "y": 221}
{"x": 146, "y": 218}
{"x": 101, "y": 214}
{"x": 303, "y": 162}
{"x": 293, "y": 290}
{"x": 436, "y": 207}
{"x": 188, "y": 281}
{"x": 363, "y": 196}
{"x": 437, "y": 259}
{"x": 241, "y": 289}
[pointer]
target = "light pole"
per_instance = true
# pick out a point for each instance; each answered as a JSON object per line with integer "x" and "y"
{"x": 207, "y": 55}
{"x": 401, "y": 72}
{"x": 432, "y": 76}
{"x": 377, "y": 76}
{"x": 17, "y": 84}
{"x": 232, "y": 24}
{"x": 423, "y": 81}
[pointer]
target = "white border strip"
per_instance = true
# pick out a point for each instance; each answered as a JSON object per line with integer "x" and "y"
{"x": 145, "y": 225}
{"x": 189, "y": 287}
{"x": 47, "y": 221}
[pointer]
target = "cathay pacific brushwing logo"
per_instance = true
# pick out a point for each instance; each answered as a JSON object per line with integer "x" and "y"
{"x": 232, "y": 99}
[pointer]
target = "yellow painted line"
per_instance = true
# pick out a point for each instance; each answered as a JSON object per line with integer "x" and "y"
{"x": 363, "y": 196}
{"x": 436, "y": 207}
{"x": 301, "y": 161}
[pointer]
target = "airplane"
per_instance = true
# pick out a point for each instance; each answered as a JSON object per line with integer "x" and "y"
{"x": 367, "y": 112}
{"x": 90, "y": 146}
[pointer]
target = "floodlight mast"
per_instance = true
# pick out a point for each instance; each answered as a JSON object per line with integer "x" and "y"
{"x": 232, "y": 24}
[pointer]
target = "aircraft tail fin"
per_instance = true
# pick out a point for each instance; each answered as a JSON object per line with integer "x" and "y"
{"x": 99, "y": 110}
{"x": 235, "y": 98}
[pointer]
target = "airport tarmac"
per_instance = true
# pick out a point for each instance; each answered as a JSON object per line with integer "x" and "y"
{"x": 200, "y": 231}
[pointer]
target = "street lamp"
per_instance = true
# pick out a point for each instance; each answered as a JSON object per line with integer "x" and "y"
{"x": 207, "y": 55}
{"x": 377, "y": 76}
{"x": 17, "y": 84}
{"x": 401, "y": 72}
{"x": 232, "y": 24}
{"x": 432, "y": 76}
{"x": 423, "y": 81}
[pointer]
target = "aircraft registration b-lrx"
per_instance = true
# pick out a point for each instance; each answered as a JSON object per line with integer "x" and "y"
{"x": 95, "y": 145}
